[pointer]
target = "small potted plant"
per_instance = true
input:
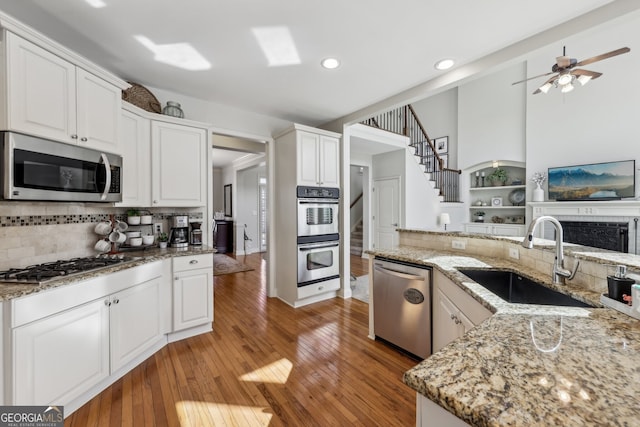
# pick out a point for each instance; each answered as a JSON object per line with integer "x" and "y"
{"x": 498, "y": 176}
{"x": 479, "y": 216}
{"x": 133, "y": 216}
{"x": 163, "y": 239}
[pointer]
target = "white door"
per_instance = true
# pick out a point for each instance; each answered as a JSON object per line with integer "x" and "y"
{"x": 386, "y": 212}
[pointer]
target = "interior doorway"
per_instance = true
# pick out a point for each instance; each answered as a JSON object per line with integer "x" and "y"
{"x": 386, "y": 212}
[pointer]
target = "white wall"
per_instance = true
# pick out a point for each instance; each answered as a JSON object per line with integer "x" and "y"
{"x": 439, "y": 117}
{"x": 491, "y": 118}
{"x": 248, "y": 206}
{"x": 218, "y": 189}
{"x": 599, "y": 122}
{"x": 356, "y": 186}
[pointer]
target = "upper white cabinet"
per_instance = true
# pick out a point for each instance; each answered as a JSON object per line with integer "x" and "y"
{"x": 135, "y": 147}
{"x": 178, "y": 165}
{"x": 318, "y": 159}
{"x": 50, "y": 97}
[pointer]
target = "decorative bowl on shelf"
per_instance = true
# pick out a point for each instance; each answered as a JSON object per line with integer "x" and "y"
{"x": 517, "y": 196}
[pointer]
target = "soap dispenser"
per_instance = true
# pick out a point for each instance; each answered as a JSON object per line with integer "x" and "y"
{"x": 619, "y": 284}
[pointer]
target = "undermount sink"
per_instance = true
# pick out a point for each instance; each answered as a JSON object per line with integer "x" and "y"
{"x": 514, "y": 288}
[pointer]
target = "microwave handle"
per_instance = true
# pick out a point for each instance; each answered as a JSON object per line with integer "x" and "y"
{"x": 107, "y": 183}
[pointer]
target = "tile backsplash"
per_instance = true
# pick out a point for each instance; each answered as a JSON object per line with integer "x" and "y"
{"x": 33, "y": 233}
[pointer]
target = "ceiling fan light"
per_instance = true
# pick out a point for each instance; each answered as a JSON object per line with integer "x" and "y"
{"x": 545, "y": 87}
{"x": 567, "y": 88}
{"x": 565, "y": 79}
{"x": 584, "y": 79}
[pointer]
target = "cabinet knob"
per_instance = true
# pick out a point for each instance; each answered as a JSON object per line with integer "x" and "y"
{"x": 176, "y": 278}
{"x": 74, "y": 136}
{"x": 193, "y": 261}
{"x": 320, "y": 288}
{"x": 84, "y": 139}
{"x": 107, "y": 302}
{"x": 116, "y": 300}
{"x": 155, "y": 202}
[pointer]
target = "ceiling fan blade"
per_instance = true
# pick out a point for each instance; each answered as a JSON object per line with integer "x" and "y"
{"x": 548, "y": 81}
{"x": 531, "y": 78}
{"x": 603, "y": 56}
{"x": 592, "y": 74}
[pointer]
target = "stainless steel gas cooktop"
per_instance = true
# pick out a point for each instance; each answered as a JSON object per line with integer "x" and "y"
{"x": 42, "y": 273}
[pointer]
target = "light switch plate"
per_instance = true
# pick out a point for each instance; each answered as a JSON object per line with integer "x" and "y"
{"x": 157, "y": 228}
{"x": 458, "y": 244}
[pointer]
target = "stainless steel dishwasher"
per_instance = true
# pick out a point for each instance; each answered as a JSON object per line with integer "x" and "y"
{"x": 402, "y": 305}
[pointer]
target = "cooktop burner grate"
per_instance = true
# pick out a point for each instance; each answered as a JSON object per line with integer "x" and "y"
{"x": 41, "y": 273}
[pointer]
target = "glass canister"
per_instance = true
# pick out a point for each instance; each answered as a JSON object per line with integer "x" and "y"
{"x": 173, "y": 109}
{"x": 196, "y": 234}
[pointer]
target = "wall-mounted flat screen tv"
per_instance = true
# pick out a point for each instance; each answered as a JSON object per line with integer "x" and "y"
{"x": 597, "y": 181}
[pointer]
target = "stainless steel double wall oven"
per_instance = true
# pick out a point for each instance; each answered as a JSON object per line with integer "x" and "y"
{"x": 318, "y": 234}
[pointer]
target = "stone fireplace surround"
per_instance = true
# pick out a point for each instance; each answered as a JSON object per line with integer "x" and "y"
{"x": 597, "y": 211}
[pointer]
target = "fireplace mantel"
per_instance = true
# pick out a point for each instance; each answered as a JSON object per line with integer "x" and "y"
{"x": 609, "y": 208}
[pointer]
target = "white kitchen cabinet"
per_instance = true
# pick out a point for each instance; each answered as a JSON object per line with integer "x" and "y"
{"x": 192, "y": 291}
{"x": 50, "y": 97}
{"x": 454, "y": 311}
{"x": 318, "y": 162}
{"x": 67, "y": 340}
{"x": 178, "y": 165}
{"x": 514, "y": 230}
{"x": 59, "y": 357}
{"x": 135, "y": 321}
{"x": 135, "y": 147}
{"x": 430, "y": 414}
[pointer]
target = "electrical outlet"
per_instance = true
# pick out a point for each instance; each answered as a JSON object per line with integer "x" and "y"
{"x": 458, "y": 244}
{"x": 157, "y": 227}
{"x": 514, "y": 253}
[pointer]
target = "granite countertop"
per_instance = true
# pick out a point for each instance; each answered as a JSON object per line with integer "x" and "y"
{"x": 531, "y": 365}
{"x": 10, "y": 291}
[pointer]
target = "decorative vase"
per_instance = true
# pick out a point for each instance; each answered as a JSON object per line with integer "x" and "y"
{"x": 538, "y": 194}
{"x": 162, "y": 245}
{"x": 173, "y": 109}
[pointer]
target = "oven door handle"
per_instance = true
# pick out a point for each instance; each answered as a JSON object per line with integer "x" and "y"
{"x": 107, "y": 170}
{"x": 316, "y": 202}
{"x": 310, "y": 248}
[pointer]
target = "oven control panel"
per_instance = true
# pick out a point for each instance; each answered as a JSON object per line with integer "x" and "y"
{"x": 304, "y": 192}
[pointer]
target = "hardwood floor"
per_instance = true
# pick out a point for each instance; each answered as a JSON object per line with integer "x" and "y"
{"x": 264, "y": 364}
{"x": 359, "y": 265}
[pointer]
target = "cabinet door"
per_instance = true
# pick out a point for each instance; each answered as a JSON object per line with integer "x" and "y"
{"x": 192, "y": 298}
{"x": 478, "y": 228}
{"x": 308, "y": 157}
{"x": 58, "y": 358}
{"x": 99, "y": 106}
{"x": 41, "y": 91}
{"x": 509, "y": 230}
{"x": 136, "y": 322}
{"x": 445, "y": 328}
{"x": 135, "y": 147}
{"x": 329, "y": 163}
{"x": 178, "y": 165}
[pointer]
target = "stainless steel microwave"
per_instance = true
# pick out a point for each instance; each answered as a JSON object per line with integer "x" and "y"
{"x": 33, "y": 168}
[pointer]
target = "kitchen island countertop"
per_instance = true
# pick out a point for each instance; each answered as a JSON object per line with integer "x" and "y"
{"x": 10, "y": 291}
{"x": 527, "y": 364}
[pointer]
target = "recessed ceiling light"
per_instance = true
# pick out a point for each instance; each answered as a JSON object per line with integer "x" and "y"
{"x": 330, "y": 63}
{"x": 444, "y": 64}
{"x": 96, "y": 3}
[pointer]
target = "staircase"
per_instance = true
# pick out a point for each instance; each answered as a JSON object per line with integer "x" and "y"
{"x": 356, "y": 239}
{"x": 403, "y": 121}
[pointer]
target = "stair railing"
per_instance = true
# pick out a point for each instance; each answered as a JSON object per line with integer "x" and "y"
{"x": 404, "y": 121}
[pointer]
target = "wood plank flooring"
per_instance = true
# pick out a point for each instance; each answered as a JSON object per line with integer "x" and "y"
{"x": 264, "y": 364}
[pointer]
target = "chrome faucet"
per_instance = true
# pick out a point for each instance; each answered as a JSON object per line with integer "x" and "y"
{"x": 559, "y": 272}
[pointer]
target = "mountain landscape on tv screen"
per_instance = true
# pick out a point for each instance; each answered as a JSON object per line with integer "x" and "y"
{"x": 578, "y": 183}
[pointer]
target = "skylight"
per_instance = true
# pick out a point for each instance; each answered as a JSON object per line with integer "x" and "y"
{"x": 181, "y": 55}
{"x": 277, "y": 45}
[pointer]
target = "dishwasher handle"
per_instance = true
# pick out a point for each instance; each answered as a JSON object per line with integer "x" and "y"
{"x": 400, "y": 274}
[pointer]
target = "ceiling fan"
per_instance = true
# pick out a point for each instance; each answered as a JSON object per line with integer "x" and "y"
{"x": 567, "y": 74}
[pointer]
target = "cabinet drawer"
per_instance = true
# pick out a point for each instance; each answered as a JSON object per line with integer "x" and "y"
{"x": 192, "y": 262}
{"x": 318, "y": 288}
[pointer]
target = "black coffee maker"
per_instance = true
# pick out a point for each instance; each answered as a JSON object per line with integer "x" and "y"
{"x": 179, "y": 235}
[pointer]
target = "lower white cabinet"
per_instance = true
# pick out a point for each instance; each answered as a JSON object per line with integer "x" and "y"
{"x": 454, "y": 311}
{"x": 67, "y": 340}
{"x": 192, "y": 291}
{"x": 135, "y": 322}
{"x": 61, "y": 356}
